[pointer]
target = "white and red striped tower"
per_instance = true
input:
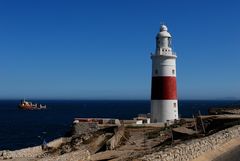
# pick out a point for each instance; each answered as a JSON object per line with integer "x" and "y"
{"x": 164, "y": 103}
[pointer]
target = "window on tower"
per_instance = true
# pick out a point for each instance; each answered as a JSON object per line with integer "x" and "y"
{"x": 173, "y": 71}
{"x": 169, "y": 42}
{"x": 174, "y": 104}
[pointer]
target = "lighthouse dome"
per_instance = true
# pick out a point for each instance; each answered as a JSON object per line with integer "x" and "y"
{"x": 163, "y": 32}
{"x": 163, "y": 28}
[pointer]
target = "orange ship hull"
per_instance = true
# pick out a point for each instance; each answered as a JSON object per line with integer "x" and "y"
{"x": 25, "y": 105}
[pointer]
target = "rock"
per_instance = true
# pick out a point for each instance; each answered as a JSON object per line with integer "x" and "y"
{"x": 66, "y": 149}
{"x": 234, "y": 109}
{"x": 115, "y": 140}
{"x": 98, "y": 143}
{"x": 84, "y": 128}
{"x": 6, "y": 154}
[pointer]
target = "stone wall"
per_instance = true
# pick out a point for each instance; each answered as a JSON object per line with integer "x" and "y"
{"x": 190, "y": 150}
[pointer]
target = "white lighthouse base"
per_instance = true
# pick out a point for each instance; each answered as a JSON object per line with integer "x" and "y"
{"x": 164, "y": 110}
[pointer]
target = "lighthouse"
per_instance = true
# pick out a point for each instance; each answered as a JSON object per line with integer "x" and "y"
{"x": 164, "y": 103}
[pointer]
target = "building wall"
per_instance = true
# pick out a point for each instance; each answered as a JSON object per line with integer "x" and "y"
{"x": 163, "y": 110}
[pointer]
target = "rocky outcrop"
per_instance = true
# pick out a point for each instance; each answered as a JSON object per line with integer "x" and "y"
{"x": 84, "y": 128}
{"x": 115, "y": 140}
{"x": 5, "y": 154}
{"x": 96, "y": 145}
{"x": 225, "y": 110}
{"x": 27, "y": 152}
{"x": 190, "y": 150}
{"x": 31, "y": 152}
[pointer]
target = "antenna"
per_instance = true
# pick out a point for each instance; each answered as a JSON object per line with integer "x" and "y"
{"x": 162, "y": 23}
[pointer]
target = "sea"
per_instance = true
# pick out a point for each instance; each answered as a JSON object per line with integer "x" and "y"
{"x": 21, "y": 128}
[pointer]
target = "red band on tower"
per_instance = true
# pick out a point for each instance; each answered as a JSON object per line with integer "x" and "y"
{"x": 164, "y": 88}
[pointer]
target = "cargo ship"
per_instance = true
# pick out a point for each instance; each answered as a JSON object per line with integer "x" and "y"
{"x": 26, "y": 105}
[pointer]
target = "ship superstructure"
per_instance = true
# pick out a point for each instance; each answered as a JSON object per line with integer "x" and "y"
{"x": 26, "y": 105}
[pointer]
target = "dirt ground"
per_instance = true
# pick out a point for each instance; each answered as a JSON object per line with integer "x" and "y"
{"x": 141, "y": 141}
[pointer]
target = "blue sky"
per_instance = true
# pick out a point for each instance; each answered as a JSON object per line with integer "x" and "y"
{"x": 101, "y": 49}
